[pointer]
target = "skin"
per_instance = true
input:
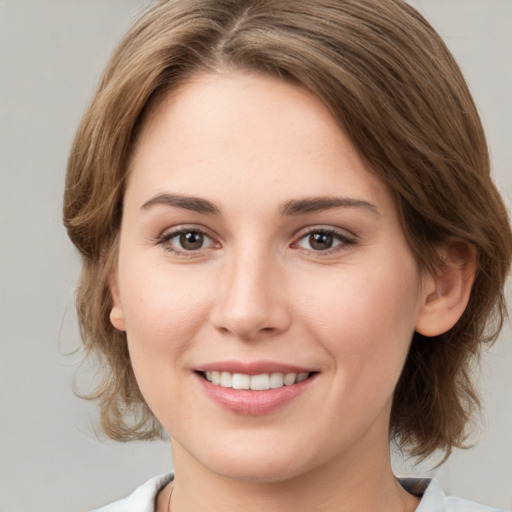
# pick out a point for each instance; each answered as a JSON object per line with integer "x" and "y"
{"x": 257, "y": 289}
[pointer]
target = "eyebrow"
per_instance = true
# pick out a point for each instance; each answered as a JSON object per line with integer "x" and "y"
{"x": 196, "y": 204}
{"x": 289, "y": 208}
{"x": 315, "y": 204}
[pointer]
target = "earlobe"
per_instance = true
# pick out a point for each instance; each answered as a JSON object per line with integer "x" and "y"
{"x": 117, "y": 318}
{"x": 446, "y": 294}
{"x": 116, "y": 313}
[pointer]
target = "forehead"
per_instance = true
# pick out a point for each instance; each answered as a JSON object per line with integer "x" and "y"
{"x": 220, "y": 132}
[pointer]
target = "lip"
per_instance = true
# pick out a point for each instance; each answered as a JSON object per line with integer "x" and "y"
{"x": 249, "y": 402}
{"x": 252, "y": 368}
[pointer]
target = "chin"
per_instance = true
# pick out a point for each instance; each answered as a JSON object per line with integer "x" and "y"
{"x": 259, "y": 471}
{"x": 259, "y": 463}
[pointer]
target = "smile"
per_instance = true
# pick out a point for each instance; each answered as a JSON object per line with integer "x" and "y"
{"x": 259, "y": 382}
{"x": 254, "y": 389}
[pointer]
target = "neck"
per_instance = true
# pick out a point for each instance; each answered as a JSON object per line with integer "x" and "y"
{"x": 341, "y": 484}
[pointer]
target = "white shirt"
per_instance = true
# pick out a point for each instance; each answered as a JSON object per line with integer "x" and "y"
{"x": 433, "y": 498}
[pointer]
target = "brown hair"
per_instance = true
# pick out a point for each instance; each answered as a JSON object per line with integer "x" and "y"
{"x": 397, "y": 92}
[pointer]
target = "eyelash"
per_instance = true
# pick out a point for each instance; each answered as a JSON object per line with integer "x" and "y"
{"x": 343, "y": 240}
{"x": 165, "y": 240}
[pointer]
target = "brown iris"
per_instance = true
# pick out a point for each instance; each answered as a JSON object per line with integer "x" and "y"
{"x": 320, "y": 241}
{"x": 191, "y": 241}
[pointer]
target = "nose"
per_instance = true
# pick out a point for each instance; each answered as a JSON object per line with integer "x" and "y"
{"x": 251, "y": 302}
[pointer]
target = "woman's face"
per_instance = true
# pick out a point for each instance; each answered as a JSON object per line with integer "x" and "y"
{"x": 256, "y": 249}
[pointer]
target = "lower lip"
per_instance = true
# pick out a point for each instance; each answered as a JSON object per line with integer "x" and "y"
{"x": 254, "y": 403}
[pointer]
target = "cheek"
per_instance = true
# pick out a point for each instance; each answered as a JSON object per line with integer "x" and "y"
{"x": 163, "y": 309}
{"x": 163, "y": 315}
{"x": 367, "y": 315}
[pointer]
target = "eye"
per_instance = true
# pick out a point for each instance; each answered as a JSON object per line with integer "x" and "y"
{"x": 191, "y": 241}
{"x": 323, "y": 240}
{"x": 186, "y": 240}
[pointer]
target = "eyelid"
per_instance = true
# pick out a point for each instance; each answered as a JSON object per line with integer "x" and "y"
{"x": 168, "y": 234}
{"x": 345, "y": 238}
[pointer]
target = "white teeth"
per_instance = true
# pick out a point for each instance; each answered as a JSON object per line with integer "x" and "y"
{"x": 289, "y": 379}
{"x": 226, "y": 379}
{"x": 240, "y": 381}
{"x": 302, "y": 376}
{"x": 276, "y": 380}
{"x": 259, "y": 382}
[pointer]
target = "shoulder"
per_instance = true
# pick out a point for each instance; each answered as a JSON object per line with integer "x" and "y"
{"x": 433, "y": 498}
{"x": 142, "y": 499}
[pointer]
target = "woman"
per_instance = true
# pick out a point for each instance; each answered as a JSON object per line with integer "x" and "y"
{"x": 292, "y": 251}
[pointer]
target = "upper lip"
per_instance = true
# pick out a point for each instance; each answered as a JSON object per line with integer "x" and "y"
{"x": 252, "y": 368}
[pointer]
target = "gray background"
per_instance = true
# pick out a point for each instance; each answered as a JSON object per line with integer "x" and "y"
{"x": 51, "y": 55}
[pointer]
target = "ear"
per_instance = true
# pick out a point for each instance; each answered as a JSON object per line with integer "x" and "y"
{"x": 116, "y": 313}
{"x": 446, "y": 294}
